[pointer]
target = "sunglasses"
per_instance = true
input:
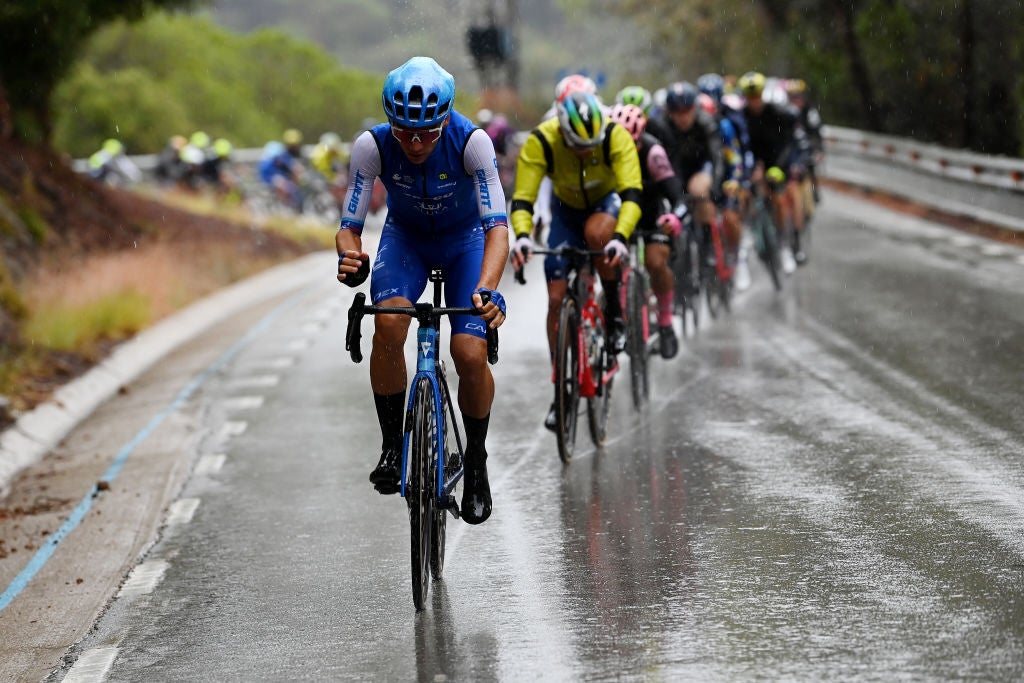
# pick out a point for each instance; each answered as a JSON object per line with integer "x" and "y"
{"x": 408, "y": 136}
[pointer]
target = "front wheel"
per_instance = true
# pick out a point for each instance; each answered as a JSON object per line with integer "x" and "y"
{"x": 636, "y": 340}
{"x": 452, "y": 464}
{"x": 771, "y": 251}
{"x": 602, "y": 360}
{"x": 420, "y": 488}
{"x": 567, "y": 388}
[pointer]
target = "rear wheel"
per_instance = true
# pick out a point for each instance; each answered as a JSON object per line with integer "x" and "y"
{"x": 567, "y": 390}
{"x": 601, "y": 360}
{"x": 636, "y": 320}
{"x": 419, "y": 489}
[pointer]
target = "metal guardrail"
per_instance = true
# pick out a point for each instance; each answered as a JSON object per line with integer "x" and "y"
{"x": 984, "y": 187}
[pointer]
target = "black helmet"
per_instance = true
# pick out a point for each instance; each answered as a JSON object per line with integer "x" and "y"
{"x": 681, "y": 96}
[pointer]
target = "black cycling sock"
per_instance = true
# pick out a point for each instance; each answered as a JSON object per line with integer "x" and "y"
{"x": 390, "y": 413}
{"x": 612, "y": 305}
{"x": 476, "y": 435}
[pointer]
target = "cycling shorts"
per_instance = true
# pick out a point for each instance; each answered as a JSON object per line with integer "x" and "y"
{"x": 567, "y": 226}
{"x": 405, "y": 258}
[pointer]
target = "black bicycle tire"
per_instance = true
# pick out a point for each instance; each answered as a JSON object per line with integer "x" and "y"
{"x": 693, "y": 301}
{"x": 439, "y": 521}
{"x": 636, "y": 340}
{"x": 712, "y": 291}
{"x": 599, "y": 406}
{"x": 567, "y": 390}
{"x": 419, "y": 492}
{"x": 771, "y": 251}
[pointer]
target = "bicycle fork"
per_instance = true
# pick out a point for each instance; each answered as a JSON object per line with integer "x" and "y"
{"x": 427, "y": 366}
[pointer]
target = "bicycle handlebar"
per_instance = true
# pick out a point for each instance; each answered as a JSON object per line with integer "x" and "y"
{"x": 573, "y": 253}
{"x": 424, "y": 312}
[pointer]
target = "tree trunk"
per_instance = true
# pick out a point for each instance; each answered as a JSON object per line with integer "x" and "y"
{"x": 967, "y": 136}
{"x": 858, "y": 67}
{"x": 6, "y": 119}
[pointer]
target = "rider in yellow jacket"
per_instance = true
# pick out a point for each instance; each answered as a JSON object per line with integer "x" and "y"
{"x": 596, "y": 186}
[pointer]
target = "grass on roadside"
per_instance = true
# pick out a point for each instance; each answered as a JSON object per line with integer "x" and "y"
{"x": 303, "y": 231}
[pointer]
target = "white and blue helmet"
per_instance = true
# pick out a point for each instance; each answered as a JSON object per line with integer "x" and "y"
{"x": 418, "y": 94}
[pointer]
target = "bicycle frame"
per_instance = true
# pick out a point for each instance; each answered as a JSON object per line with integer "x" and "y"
{"x": 580, "y": 287}
{"x": 428, "y": 366}
{"x": 428, "y": 334}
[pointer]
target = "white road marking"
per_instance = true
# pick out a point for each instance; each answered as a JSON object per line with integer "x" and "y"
{"x": 181, "y": 511}
{"x": 255, "y": 381}
{"x": 233, "y": 428}
{"x": 279, "y": 363}
{"x": 994, "y": 250}
{"x": 144, "y": 579}
{"x": 92, "y": 666}
{"x": 300, "y": 344}
{"x": 210, "y": 464}
{"x": 243, "y": 403}
{"x": 312, "y": 328}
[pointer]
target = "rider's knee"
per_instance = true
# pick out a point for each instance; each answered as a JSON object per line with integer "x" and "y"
{"x": 390, "y": 330}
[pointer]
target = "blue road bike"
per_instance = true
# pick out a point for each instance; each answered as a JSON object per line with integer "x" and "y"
{"x": 432, "y": 444}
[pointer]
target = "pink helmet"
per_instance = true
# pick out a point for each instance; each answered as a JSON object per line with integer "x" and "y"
{"x": 572, "y": 83}
{"x": 706, "y": 103}
{"x": 630, "y": 117}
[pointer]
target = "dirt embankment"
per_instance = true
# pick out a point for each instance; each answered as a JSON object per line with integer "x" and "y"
{"x": 59, "y": 229}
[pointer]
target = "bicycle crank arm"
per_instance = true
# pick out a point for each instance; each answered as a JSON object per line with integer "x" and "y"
{"x": 449, "y": 503}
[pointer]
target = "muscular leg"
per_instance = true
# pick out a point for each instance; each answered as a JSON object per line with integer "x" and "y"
{"x": 476, "y": 384}
{"x": 388, "y": 380}
{"x": 476, "y": 393}
{"x": 387, "y": 358}
{"x": 556, "y": 292}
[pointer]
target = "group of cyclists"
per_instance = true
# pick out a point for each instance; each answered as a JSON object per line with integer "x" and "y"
{"x": 680, "y": 158}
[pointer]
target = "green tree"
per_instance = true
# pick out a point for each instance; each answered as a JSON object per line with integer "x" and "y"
{"x": 41, "y": 40}
{"x": 174, "y": 74}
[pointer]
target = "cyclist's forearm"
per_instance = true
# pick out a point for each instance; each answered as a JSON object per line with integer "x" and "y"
{"x": 346, "y": 240}
{"x": 629, "y": 215}
{"x": 495, "y": 256}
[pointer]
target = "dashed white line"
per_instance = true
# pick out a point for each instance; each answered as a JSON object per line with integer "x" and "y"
{"x": 256, "y": 381}
{"x": 144, "y": 579}
{"x": 299, "y": 344}
{"x": 92, "y": 666}
{"x": 233, "y": 428}
{"x": 994, "y": 250}
{"x": 181, "y": 511}
{"x": 277, "y": 363}
{"x": 243, "y": 403}
{"x": 210, "y": 464}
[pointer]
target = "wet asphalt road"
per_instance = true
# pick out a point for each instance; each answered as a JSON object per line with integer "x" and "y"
{"x": 827, "y": 486}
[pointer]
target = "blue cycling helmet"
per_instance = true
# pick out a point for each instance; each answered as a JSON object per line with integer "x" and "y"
{"x": 712, "y": 85}
{"x": 418, "y": 94}
{"x": 681, "y": 96}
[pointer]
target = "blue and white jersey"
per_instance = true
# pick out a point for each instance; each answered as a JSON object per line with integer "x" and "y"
{"x": 456, "y": 189}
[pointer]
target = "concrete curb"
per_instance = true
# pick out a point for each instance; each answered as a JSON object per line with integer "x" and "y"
{"x": 37, "y": 432}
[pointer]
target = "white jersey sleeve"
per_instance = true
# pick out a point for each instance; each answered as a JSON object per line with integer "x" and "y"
{"x": 364, "y": 167}
{"x": 481, "y": 163}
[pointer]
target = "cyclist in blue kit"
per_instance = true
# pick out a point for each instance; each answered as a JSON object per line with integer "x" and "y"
{"x": 446, "y": 209}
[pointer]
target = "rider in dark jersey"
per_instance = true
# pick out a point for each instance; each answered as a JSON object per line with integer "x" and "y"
{"x": 694, "y": 147}
{"x": 658, "y": 227}
{"x": 446, "y": 210}
{"x": 772, "y": 130}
